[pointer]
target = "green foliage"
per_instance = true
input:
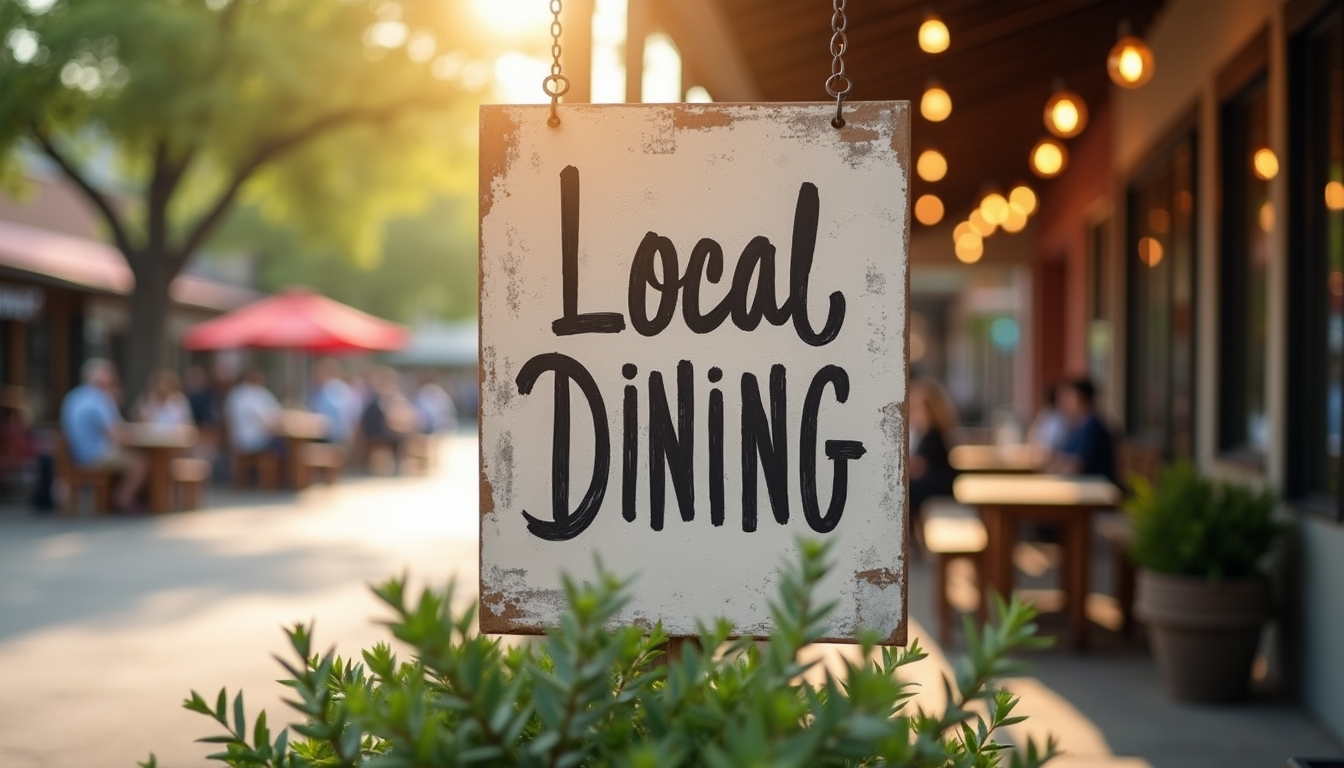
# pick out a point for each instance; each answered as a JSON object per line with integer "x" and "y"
{"x": 1190, "y": 525}
{"x": 598, "y": 696}
{"x": 428, "y": 268}
{"x": 326, "y": 115}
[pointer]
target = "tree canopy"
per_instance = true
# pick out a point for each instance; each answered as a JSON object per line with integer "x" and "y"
{"x": 328, "y": 116}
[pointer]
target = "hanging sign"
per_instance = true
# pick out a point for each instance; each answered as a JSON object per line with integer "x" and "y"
{"x": 693, "y": 353}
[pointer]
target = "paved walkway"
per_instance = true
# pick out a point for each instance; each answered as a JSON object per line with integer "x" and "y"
{"x": 106, "y": 624}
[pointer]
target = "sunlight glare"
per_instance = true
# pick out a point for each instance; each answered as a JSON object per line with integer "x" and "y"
{"x": 512, "y": 18}
{"x": 662, "y": 70}
{"x": 518, "y": 78}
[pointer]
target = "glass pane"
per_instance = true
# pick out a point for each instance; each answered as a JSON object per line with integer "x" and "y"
{"x": 1331, "y": 199}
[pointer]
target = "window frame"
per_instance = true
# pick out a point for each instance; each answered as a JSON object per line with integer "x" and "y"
{"x": 1308, "y": 321}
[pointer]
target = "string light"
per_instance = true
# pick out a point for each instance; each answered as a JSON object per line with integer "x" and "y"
{"x": 931, "y": 165}
{"x": 979, "y": 225}
{"x": 1065, "y": 114}
{"x": 933, "y": 35}
{"x": 1334, "y": 196}
{"x": 1266, "y": 163}
{"x": 994, "y": 208}
{"x": 1024, "y": 198}
{"x": 1150, "y": 251}
{"x": 935, "y": 105}
{"x": 1048, "y": 158}
{"x": 1017, "y": 219}
{"x": 929, "y": 210}
{"x": 969, "y": 248}
{"x": 1130, "y": 62}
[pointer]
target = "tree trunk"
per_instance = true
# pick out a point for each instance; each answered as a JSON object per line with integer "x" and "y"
{"x": 149, "y": 321}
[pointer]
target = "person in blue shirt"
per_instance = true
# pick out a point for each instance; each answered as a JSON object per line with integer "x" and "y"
{"x": 1089, "y": 448}
{"x": 91, "y": 425}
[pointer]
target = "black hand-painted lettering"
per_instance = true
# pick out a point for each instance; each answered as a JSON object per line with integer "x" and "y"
{"x": 800, "y": 268}
{"x": 630, "y": 448}
{"x": 715, "y": 449}
{"x": 669, "y": 448}
{"x": 838, "y": 450}
{"x": 571, "y": 322}
{"x": 769, "y": 441}
{"x": 706, "y": 262}
{"x": 643, "y": 275}
{"x": 565, "y": 525}
{"x": 758, "y": 259}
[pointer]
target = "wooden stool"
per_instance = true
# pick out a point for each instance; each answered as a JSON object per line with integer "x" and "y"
{"x": 189, "y": 478}
{"x": 324, "y": 460}
{"x": 264, "y": 463}
{"x": 1116, "y": 530}
{"x": 74, "y": 477}
{"x": 953, "y": 531}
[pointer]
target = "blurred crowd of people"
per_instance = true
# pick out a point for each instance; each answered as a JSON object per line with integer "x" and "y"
{"x": 232, "y": 415}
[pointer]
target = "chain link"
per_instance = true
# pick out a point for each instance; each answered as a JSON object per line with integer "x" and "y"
{"x": 838, "y": 85}
{"x": 555, "y": 85}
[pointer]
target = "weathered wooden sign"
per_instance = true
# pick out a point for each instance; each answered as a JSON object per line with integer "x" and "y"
{"x": 693, "y": 352}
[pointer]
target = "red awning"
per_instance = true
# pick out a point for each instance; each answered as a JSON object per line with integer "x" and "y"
{"x": 297, "y": 319}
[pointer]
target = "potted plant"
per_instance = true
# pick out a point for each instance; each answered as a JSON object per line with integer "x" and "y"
{"x": 1200, "y": 546}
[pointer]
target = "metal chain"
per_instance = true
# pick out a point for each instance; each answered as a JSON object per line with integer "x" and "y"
{"x": 555, "y": 85}
{"x": 838, "y": 85}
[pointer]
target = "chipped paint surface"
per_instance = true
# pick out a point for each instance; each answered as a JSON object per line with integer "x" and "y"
{"x": 731, "y": 173}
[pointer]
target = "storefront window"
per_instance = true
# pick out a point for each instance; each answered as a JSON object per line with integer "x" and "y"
{"x": 1159, "y": 258}
{"x": 1316, "y": 312}
{"x": 1248, "y": 223}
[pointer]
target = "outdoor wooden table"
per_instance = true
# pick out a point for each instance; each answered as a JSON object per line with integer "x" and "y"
{"x": 296, "y": 429}
{"x": 160, "y": 443}
{"x": 1023, "y": 458}
{"x": 1005, "y": 500}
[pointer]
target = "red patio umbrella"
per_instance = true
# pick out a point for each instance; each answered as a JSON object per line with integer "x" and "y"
{"x": 298, "y": 319}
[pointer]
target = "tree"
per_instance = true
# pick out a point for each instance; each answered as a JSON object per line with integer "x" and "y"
{"x": 329, "y": 115}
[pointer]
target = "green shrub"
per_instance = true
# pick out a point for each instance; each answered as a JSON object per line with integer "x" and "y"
{"x": 595, "y": 696}
{"x": 1190, "y": 525}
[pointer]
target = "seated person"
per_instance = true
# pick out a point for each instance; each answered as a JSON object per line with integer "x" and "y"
{"x": 932, "y": 419}
{"x": 163, "y": 402}
{"x": 1089, "y": 448}
{"x": 331, "y": 397}
{"x": 253, "y": 415}
{"x": 92, "y": 426}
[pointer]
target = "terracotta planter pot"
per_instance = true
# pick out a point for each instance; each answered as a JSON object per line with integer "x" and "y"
{"x": 1204, "y": 635}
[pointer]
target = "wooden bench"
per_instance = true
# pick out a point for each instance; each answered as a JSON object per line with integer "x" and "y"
{"x": 323, "y": 460}
{"x": 954, "y": 531}
{"x": 74, "y": 478}
{"x": 189, "y": 478}
{"x": 264, "y": 465}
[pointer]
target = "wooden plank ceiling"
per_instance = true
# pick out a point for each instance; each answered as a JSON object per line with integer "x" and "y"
{"x": 1000, "y": 69}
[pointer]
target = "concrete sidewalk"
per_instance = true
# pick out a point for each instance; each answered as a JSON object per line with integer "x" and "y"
{"x": 105, "y": 625}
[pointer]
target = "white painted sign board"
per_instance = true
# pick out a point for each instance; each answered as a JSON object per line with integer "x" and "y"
{"x": 693, "y": 352}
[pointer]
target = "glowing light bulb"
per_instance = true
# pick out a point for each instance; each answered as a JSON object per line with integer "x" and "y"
{"x": 1017, "y": 219}
{"x": 1065, "y": 114}
{"x": 1334, "y": 196}
{"x": 969, "y": 248}
{"x": 1130, "y": 62}
{"x": 1024, "y": 198}
{"x": 979, "y": 225}
{"x": 931, "y": 165}
{"x": 933, "y": 35}
{"x": 1048, "y": 158}
{"x": 994, "y": 208}
{"x": 1266, "y": 163}
{"x": 929, "y": 210}
{"x": 960, "y": 230}
{"x": 1150, "y": 251}
{"x": 935, "y": 105}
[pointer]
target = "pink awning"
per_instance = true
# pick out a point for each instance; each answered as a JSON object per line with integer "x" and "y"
{"x": 100, "y": 267}
{"x": 298, "y": 319}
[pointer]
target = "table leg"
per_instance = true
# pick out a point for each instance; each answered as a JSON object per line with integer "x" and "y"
{"x": 1077, "y": 555}
{"x": 1001, "y": 526}
{"x": 160, "y": 480}
{"x": 298, "y": 477}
